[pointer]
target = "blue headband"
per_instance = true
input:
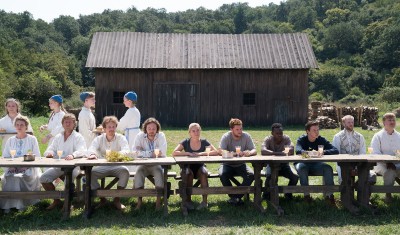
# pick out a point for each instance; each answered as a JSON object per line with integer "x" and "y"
{"x": 131, "y": 95}
{"x": 57, "y": 98}
{"x": 83, "y": 96}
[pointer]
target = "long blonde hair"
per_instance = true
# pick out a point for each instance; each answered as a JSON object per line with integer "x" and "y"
{"x": 14, "y": 101}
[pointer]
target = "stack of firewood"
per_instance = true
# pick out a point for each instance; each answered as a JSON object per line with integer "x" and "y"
{"x": 371, "y": 115}
{"x": 326, "y": 122}
{"x": 314, "y": 111}
{"x": 355, "y": 112}
{"x": 329, "y": 111}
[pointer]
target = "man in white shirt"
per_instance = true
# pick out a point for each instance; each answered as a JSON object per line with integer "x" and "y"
{"x": 72, "y": 145}
{"x": 145, "y": 143}
{"x": 349, "y": 141}
{"x": 109, "y": 141}
{"x": 387, "y": 141}
{"x": 87, "y": 122}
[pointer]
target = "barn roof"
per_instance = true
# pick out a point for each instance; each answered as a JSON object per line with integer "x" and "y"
{"x": 135, "y": 50}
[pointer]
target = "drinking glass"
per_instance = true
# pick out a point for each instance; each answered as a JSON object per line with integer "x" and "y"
{"x": 321, "y": 149}
{"x": 287, "y": 149}
{"x": 12, "y": 153}
{"x": 108, "y": 151}
{"x": 59, "y": 153}
{"x": 156, "y": 152}
{"x": 238, "y": 149}
{"x": 370, "y": 150}
{"x": 208, "y": 150}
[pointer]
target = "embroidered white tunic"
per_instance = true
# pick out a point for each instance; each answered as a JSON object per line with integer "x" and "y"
{"x": 7, "y": 124}
{"x": 20, "y": 179}
{"x": 87, "y": 123}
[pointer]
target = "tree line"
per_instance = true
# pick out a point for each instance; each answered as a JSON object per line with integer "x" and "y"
{"x": 356, "y": 43}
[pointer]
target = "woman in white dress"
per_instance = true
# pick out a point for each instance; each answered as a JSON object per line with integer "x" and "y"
{"x": 87, "y": 122}
{"x": 13, "y": 109}
{"x": 130, "y": 122}
{"x": 21, "y": 178}
{"x": 54, "y": 125}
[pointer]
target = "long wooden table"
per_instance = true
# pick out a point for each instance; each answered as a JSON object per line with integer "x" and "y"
{"x": 256, "y": 161}
{"x": 346, "y": 162}
{"x": 87, "y": 166}
{"x": 66, "y": 166}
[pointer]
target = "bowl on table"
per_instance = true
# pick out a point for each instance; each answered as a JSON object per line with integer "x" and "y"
{"x": 29, "y": 157}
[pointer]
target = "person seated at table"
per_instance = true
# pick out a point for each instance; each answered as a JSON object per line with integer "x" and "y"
{"x": 310, "y": 141}
{"x": 193, "y": 147}
{"x": 149, "y": 139}
{"x": 236, "y": 137}
{"x": 112, "y": 141}
{"x": 13, "y": 109}
{"x": 72, "y": 144}
{"x": 275, "y": 145}
{"x": 387, "y": 141}
{"x": 20, "y": 178}
{"x": 349, "y": 141}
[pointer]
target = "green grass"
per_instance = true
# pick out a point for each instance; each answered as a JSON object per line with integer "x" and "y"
{"x": 220, "y": 218}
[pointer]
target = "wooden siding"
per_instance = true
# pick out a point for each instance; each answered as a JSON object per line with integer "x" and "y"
{"x": 216, "y": 95}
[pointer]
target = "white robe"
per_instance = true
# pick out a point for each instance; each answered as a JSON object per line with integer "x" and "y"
{"x": 7, "y": 124}
{"x": 20, "y": 179}
{"x": 87, "y": 123}
{"x": 55, "y": 126}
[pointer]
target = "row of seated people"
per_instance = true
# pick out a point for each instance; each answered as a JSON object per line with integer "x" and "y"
{"x": 73, "y": 146}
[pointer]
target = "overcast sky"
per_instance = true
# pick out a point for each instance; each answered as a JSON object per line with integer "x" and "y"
{"x": 47, "y": 10}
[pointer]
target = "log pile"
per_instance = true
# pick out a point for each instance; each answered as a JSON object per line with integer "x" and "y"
{"x": 371, "y": 114}
{"x": 329, "y": 111}
{"x": 326, "y": 122}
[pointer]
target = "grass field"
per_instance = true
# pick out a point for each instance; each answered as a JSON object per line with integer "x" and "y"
{"x": 220, "y": 218}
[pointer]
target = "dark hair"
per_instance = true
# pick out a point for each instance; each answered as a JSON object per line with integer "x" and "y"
{"x": 234, "y": 121}
{"x": 276, "y": 126}
{"x": 148, "y": 121}
{"x": 309, "y": 124}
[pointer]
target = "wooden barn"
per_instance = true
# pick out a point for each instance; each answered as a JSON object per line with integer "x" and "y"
{"x": 205, "y": 78}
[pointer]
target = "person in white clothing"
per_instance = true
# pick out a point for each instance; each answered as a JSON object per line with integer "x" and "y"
{"x": 72, "y": 145}
{"x": 87, "y": 122}
{"x": 13, "y": 109}
{"x": 20, "y": 178}
{"x": 349, "y": 141}
{"x": 54, "y": 125}
{"x": 130, "y": 122}
{"x": 112, "y": 141}
{"x": 387, "y": 141}
{"x": 145, "y": 143}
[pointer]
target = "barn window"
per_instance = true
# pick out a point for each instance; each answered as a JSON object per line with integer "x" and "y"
{"x": 249, "y": 98}
{"x": 118, "y": 97}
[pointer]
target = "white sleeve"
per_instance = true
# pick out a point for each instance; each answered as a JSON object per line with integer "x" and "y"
{"x": 6, "y": 150}
{"x": 363, "y": 148}
{"x": 376, "y": 144}
{"x": 95, "y": 146}
{"x": 336, "y": 142}
{"x": 35, "y": 147}
{"x": 56, "y": 126}
{"x": 52, "y": 148}
{"x": 124, "y": 121}
{"x": 123, "y": 143}
{"x": 80, "y": 146}
{"x": 162, "y": 143}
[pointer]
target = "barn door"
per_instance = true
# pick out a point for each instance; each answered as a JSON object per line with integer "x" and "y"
{"x": 281, "y": 111}
{"x": 176, "y": 104}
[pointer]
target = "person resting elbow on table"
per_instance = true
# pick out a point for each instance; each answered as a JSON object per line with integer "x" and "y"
{"x": 70, "y": 143}
{"x": 275, "y": 145}
{"x": 112, "y": 141}
{"x": 195, "y": 146}
{"x": 387, "y": 141}
{"x": 310, "y": 141}
{"x": 229, "y": 141}
{"x": 149, "y": 139}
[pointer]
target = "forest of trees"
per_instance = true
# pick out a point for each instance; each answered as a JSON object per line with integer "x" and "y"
{"x": 356, "y": 42}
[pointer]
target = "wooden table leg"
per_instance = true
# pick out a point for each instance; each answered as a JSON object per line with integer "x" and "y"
{"x": 346, "y": 190}
{"x": 68, "y": 192}
{"x": 274, "y": 191}
{"x": 363, "y": 187}
{"x": 88, "y": 192}
{"x": 257, "y": 186}
{"x": 183, "y": 189}
{"x": 165, "y": 198}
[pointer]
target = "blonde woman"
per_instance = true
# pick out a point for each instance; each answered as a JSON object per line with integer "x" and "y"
{"x": 13, "y": 109}
{"x": 20, "y": 178}
{"x": 195, "y": 146}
